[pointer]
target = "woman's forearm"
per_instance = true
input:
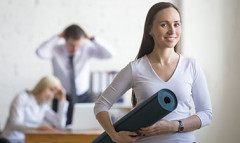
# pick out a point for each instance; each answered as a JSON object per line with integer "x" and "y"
{"x": 191, "y": 123}
{"x": 165, "y": 127}
{"x": 22, "y": 128}
{"x": 104, "y": 119}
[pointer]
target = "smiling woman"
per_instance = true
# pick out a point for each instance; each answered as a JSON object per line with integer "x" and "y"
{"x": 159, "y": 66}
{"x": 166, "y": 29}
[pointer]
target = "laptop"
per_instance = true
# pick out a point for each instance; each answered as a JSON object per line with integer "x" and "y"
{"x": 84, "y": 118}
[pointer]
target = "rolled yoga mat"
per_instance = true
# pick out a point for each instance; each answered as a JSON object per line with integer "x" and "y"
{"x": 146, "y": 114}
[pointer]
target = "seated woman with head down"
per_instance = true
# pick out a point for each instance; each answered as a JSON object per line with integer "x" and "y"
{"x": 29, "y": 109}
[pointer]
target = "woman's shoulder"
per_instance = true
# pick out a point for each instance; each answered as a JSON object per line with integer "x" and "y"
{"x": 188, "y": 60}
{"x": 22, "y": 97}
{"x": 191, "y": 63}
{"x": 139, "y": 66}
{"x": 24, "y": 94}
{"x": 139, "y": 62}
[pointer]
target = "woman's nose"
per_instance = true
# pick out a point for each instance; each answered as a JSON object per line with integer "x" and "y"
{"x": 171, "y": 30}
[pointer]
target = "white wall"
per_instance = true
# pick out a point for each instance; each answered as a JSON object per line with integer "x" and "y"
{"x": 25, "y": 24}
{"x": 211, "y": 35}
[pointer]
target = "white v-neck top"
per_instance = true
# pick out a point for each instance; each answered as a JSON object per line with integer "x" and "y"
{"x": 187, "y": 82}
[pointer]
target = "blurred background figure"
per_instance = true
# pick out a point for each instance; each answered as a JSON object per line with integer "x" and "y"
{"x": 70, "y": 62}
{"x": 29, "y": 109}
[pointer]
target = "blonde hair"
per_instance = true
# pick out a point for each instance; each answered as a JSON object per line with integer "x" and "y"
{"x": 46, "y": 82}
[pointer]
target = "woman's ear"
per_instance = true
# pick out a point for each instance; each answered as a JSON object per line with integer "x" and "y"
{"x": 150, "y": 31}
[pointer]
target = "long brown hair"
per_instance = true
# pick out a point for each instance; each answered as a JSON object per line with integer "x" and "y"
{"x": 147, "y": 44}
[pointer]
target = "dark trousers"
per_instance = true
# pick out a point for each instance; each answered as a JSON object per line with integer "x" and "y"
{"x": 3, "y": 140}
{"x": 84, "y": 98}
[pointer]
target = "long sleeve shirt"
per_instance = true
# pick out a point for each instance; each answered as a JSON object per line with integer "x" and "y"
{"x": 27, "y": 114}
{"x": 187, "y": 82}
{"x": 58, "y": 54}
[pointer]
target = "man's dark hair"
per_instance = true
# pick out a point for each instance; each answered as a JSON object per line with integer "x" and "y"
{"x": 74, "y": 31}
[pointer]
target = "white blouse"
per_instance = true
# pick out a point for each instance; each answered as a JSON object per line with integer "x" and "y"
{"x": 187, "y": 82}
{"x": 26, "y": 114}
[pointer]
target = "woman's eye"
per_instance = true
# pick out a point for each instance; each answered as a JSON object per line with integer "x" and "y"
{"x": 164, "y": 25}
{"x": 176, "y": 24}
{"x": 52, "y": 89}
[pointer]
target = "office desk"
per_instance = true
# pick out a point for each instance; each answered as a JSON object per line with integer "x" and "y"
{"x": 61, "y": 136}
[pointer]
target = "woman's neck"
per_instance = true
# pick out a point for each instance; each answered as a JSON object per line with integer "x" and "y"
{"x": 37, "y": 97}
{"x": 163, "y": 56}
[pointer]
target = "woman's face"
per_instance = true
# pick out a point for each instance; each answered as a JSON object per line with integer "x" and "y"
{"x": 166, "y": 28}
{"x": 47, "y": 94}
